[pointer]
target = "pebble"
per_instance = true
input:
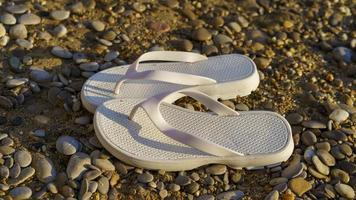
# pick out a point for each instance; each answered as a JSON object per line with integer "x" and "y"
{"x": 52, "y": 188}
{"x": 16, "y": 9}
{"x": 11, "y": 83}
{"x": 93, "y": 186}
{"x": 278, "y": 180}
{"x": 294, "y": 118}
{"x": 4, "y": 40}
{"x": 216, "y": 169}
{"x": 44, "y": 35}
{"x": 308, "y": 154}
{"x": 299, "y": 186}
{"x": 173, "y": 187}
{"x": 92, "y": 174}
{"x": 343, "y": 54}
{"x": 61, "y": 52}
{"x": 40, "y": 75}
{"x": 23, "y": 158}
{"x": 182, "y": 180}
{"x": 2, "y": 30}
{"x": 15, "y": 170}
{"x": 263, "y": 63}
{"x": 20, "y": 193}
{"x": 109, "y": 35}
{"x": 340, "y": 175}
{"x": 345, "y": 149}
{"x": 210, "y": 49}
{"x": 335, "y": 135}
{"x": 230, "y": 195}
{"x": 320, "y": 166}
{"x": 7, "y": 19}
{"x": 24, "y": 43}
{"x": 67, "y": 145}
{"x": 163, "y": 193}
{"x": 45, "y": 170}
{"x": 121, "y": 168}
{"x": 313, "y": 124}
{"x": 105, "y": 44}
{"x": 5, "y": 103}
{"x": 4, "y": 187}
{"x": 25, "y": 174}
{"x": 76, "y": 165}
{"x": 160, "y": 27}
{"x": 80, "y": 58}
{"x": 7, "y": 142}
{"x": 192, "y": 187}
{"x": 274, "y": 195}
{"x": 323, "y": 145}
{"x": 293, "y": 170}
{"x": 139, "y": 7}
{"x": 183, "y": 45}
{"x": 111, "y": 56}
{"x": 15, "y": 64}
{"x": 145, "y": 178}
{"x": 3, "y": 135}
{"x": 77, "y": 7}
{"x": 103, "y": 185}
{"x": 345, "y": 191}
{"x": 60, "y": 14}
{"x": 29, "y": 19}
{"x": 103, "y": 164}
{"x": 34, "y": 87}
{"x": 242, "y": 21}
{"x": 222, "y": 39}
{"x": 326, "y": 157}
{"x": 4, "y": 172}
{"x": 336, "y": 153}
{"x": 242, "y": 107}
{"x": 18, "y": 31}
{"x": 67, "y": 191}
{"x": 97, "y": 25}
{"x": 339, "y": 115}
{"x": 59, "y": 31}
{"x": 235, "y": 26}
{"x": 89, "y": 67}
{"x": 308, "y": 138}
{"x": 201, "y": 34}
{"x": 6, "y": 150}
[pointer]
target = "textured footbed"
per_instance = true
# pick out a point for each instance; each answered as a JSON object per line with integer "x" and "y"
{"x": 250, "y": 133}
{"x": 99, "y": 87}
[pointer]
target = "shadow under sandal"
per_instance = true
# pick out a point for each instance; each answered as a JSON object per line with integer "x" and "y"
{"x": 225, "y": 77}
{"x": 154, "y": 134}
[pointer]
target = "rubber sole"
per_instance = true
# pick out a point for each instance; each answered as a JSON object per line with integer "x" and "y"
{"x": 223, "y": 90}
{"x": 249, "y": 162}
{"x": 252, "y": 162}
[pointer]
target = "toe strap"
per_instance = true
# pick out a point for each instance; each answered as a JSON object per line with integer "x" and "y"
{"x": 165, "y": 76}
{"x": 152, "y": 105}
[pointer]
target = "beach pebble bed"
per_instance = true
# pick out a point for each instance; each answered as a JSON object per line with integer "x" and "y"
{"x": 304, "y": 52}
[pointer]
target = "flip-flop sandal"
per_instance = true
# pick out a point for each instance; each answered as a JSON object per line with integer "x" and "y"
{"x": 154, "y": 134}
{"x": 225, "y": 77}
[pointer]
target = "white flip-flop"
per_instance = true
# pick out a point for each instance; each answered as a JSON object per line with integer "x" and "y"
{"x": 225, "y": 77}
{"x": 154, "y": 134}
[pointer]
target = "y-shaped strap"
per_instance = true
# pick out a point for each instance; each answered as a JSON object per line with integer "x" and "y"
{"x": 165, "y": 76}
{"x": 151, "y": 107}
